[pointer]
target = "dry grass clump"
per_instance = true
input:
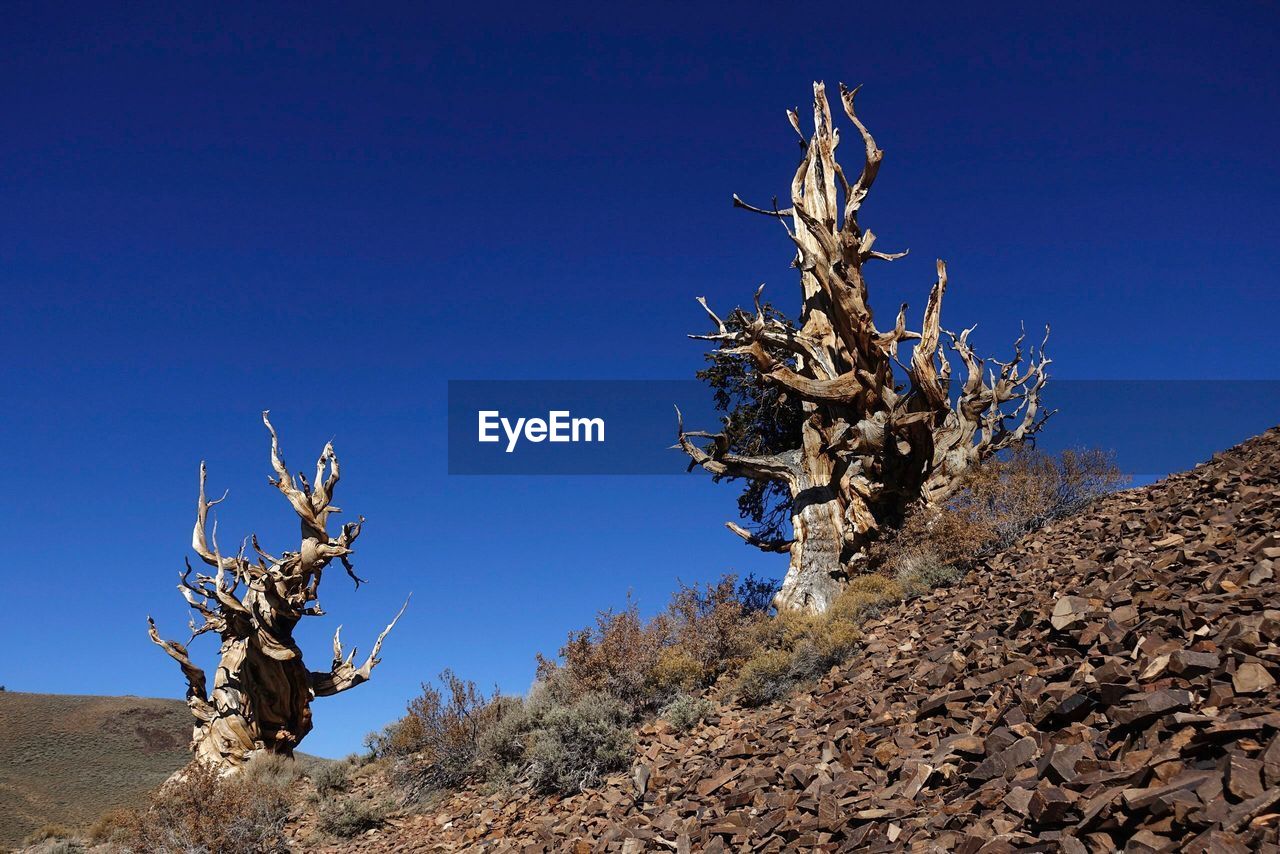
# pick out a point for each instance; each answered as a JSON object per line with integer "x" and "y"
{"x": 201, "y": 811}
{"x": 50, "y": 832}
{"x": 54, "y": 845}
{"x": 272, "y": 770}
{"x": 109, "y": 825}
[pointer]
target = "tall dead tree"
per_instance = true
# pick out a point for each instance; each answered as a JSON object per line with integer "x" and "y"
{"x": 262, "y": 691}
{"x": 872, "y": 445}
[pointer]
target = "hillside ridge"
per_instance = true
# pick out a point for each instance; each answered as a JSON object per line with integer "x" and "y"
{"x": 1108, "y": 683}
{"x": 67, "y": 758}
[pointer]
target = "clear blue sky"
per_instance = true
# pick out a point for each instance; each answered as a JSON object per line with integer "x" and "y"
{"x": 330, "y": 212}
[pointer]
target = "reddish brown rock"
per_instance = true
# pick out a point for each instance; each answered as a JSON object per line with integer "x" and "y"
{"x": 1141, "y": 715}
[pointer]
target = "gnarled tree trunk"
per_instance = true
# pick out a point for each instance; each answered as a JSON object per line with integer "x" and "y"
{"x": 262, "y": 691}
{"x": 869, "y": 452}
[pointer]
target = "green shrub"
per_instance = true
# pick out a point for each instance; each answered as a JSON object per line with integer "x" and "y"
{"x": 560, "y": 747}
{"x": 503, "y": 747}
{"x": 272, "y": 769}
{"x": 764, "y": 678}
{"x": 576, "y": 745}
{"x": 331, "y": 777}
{"x": 686, "y": 711}
{"x": 345, "y": 817}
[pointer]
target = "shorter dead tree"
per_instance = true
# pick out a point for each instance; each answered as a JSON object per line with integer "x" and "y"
{"x": 262, "y": 691}
{"x": 838, "y": 432}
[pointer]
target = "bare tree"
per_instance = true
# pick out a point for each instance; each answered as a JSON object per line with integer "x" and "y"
{"x": 262, "y": 691}
{"x": 869, "y": 449}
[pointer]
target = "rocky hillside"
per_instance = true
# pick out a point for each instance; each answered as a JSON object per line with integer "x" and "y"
{"x": 66, "y": 759}
{"x": 1107, "y": 684}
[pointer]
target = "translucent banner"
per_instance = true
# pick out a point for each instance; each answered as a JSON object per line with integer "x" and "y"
{"x": 609, "y": 427}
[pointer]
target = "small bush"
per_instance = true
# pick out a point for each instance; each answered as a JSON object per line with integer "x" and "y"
{"x": 272, "y": 770}
{"x": 835, "y": 645}
{"x": 677, "y": 671}
{"x": 764, "y": 678}
{"x": 705, "y": 632}
{"x": 795, "y": 649}
{"x": 862, "y": 596}
{"x": 576, "y": 745}
{"x": 617, "y": 657}
{"x": 756, "y": 594}
{"x": 201, "y": 811}
{"x": 435, "y": 744}
{"x": 502, "y": 751}
{"x": 332, "y": 777}
{"x": 921, "y": 570}
{"x": 345, "y": 817}
{"x": 560, "y": 747}
{"x": 686, "y": 711}
{"x": 710, "y": 627}
{"x": 1029, "y": 488}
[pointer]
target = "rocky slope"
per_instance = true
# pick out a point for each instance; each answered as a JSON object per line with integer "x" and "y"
{"x": 1107, "y": 684}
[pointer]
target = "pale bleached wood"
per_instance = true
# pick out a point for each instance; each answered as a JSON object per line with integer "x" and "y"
{"x": 262, "y": 691}
{"x": 869, "y": 453}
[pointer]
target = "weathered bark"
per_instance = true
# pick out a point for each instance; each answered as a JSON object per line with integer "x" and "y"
{"x": 869, "y": 452}
{"x": 262, "y": 691}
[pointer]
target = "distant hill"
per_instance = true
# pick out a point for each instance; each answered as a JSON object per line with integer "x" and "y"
{"x": 67, "y": 759}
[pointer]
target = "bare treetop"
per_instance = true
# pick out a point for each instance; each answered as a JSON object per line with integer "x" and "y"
{"x": 262, "y": 692}
{"x": 869, "y": 451}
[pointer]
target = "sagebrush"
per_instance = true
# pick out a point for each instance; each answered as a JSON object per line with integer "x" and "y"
{"x": 714, "y": 641}
{"x": 201, "y": 811}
